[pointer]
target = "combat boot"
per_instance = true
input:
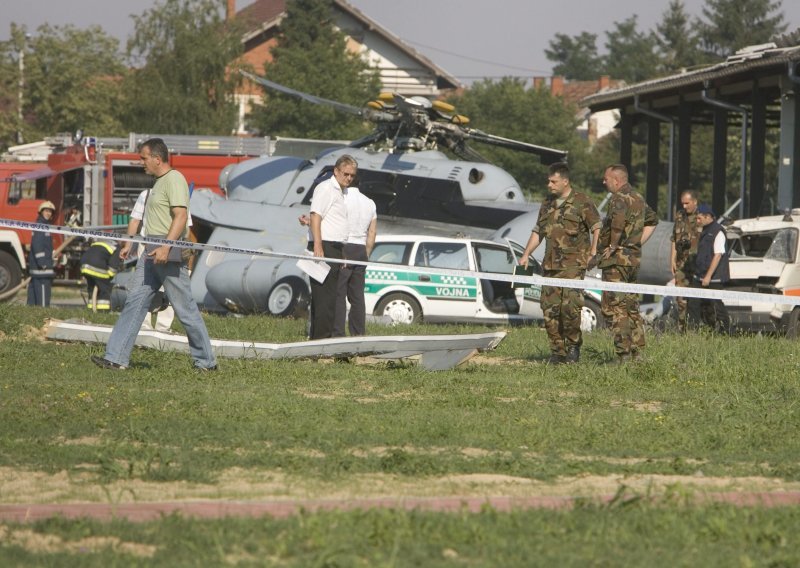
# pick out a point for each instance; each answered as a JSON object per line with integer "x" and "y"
{"x": 573, "y": 354}
{"x": 556, "y": 359}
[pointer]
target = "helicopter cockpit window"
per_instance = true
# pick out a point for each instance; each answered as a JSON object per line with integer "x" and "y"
{"x": 442, "y": 255}
{"x": 326, "y": 173}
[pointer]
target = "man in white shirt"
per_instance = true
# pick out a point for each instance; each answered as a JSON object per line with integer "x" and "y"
{"x": 362, "y": 221}
{"x": 329, "y": 230}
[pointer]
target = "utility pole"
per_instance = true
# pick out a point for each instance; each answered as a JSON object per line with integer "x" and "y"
{"x": 21, "y": 86}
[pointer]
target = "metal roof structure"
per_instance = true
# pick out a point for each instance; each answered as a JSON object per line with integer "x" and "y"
{"x": 754, "y": 90}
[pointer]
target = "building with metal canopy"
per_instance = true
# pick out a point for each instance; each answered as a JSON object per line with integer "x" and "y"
{"x": 751, "y": 92}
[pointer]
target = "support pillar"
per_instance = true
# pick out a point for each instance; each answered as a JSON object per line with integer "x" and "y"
{"x": 789, "y": 166}
{"x": 684, "y": 151}
{"x": 755, "y": 205}
{"x": 653, "y": 162}
{"x": 719, "y": 163}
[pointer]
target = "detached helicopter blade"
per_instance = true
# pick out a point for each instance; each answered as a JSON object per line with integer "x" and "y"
{"x": 546, "y": 155}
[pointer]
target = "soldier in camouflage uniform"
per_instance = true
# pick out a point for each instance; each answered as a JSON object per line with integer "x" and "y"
{"x": 628, "y": 225}
{"x": 571, "y": 224}
{"x": 685, "y": 235}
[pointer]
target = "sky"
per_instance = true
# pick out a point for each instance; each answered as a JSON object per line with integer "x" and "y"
{"x": 470, "y": 39}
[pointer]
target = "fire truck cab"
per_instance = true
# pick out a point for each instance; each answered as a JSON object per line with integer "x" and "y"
{"x": 94, "y": 182}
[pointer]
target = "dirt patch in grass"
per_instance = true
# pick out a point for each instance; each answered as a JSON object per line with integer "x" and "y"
{"x": 20, "y": 486}
{"x": 40, "y": 543}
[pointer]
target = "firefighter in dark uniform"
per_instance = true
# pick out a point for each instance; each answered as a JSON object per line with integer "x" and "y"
{"x": 99, "y": 264}
{"x": 40, "y": 260}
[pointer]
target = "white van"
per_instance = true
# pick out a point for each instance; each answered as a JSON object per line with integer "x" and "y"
{"x": 408, "y": 297}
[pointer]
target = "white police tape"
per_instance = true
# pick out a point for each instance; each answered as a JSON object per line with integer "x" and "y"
{"x": 591, "y": 283}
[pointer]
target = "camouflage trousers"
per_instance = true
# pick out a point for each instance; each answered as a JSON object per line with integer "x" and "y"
{"x": 683, "y": 278}
{"x": 622, "y": 311}
{"x": 562, "y": 308}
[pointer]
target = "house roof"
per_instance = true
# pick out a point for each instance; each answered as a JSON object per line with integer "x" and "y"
{"x": 262, "y": 15}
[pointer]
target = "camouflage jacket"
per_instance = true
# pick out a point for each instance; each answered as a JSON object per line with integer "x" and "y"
{"x": 685, "y": 235}
{"x": 628, "y": 213}
{"x": 568, "y": 229}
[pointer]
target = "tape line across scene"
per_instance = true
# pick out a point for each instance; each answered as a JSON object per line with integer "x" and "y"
{"x": 592, "y": 284}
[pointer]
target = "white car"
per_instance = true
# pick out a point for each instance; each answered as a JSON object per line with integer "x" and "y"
{"x": 408, "y": 297}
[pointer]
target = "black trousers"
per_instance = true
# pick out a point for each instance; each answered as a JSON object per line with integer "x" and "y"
{"x": 323, "y": 296}
{"x": 351, "y": 288}
{"x": 713, "y": 313}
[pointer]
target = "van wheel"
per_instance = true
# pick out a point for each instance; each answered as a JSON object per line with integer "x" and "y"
{"x": 591, "y": 316}
{"x": 286, "y": 296}
{"x": 10, "y": 272}
{"x": 400, "y": 308}
{"x": 793, "y": 326}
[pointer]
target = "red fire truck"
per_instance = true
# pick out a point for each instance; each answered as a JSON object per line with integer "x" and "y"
{"x": 95, "y": 182}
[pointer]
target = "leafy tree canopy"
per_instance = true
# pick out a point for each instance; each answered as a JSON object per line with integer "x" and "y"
{"x": 730, "y": 25}
{"x": 506, "y": 108}
{"x": 71, "y": 81}
{"x": 182, "y": 85}
{"x": 576, "y": 57}
{"x": 676, "y": 37}
{"x": 312, "y": 56}
{"x": 631, "y": 53}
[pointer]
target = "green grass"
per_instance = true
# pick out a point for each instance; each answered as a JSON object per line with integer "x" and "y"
{"x": 699, "y": 407}
{"x": 617, "y": 535}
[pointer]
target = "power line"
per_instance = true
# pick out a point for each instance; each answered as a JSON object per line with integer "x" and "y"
{"x": 475, "y": 59}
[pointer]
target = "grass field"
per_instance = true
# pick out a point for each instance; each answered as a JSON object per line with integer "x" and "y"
{"x": 702, "y": 414}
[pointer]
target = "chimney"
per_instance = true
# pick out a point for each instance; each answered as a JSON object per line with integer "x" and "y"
{"x": 231, "y": 10}
{"x": 538, "y": 82}
{"x": 557, "y": 85}
{"x": 603, "y": 83}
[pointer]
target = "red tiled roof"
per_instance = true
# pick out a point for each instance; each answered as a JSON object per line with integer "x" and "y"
{"x": 261, "y": 11}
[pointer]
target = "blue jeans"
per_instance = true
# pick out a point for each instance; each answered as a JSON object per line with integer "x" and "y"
{"x": 148, "y": 278}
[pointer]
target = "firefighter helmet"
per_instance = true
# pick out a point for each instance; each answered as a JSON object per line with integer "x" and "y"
{"x": 47, "y": 205}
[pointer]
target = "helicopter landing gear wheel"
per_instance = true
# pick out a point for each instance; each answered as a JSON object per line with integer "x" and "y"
{"x": 285, "y": 296}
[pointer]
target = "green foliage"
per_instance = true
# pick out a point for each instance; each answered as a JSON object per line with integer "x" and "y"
{"x": 72, "y": 81}
{"x": 312, "y": 56}
{"x": 730, "y": 25}
{"x": 631, "y": 54}
{"x": 575, "y": 58}
{"x": 181, "y": 84}
{"x": 676, "y": 37}
{"x": 625, "y": 532}
{"x": 506, "y": 108}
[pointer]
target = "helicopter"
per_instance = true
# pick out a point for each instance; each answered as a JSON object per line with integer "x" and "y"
{"x": 416, "y": 187}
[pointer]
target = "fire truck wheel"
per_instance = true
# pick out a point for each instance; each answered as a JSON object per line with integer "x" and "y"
{"x": 10, "y": 273}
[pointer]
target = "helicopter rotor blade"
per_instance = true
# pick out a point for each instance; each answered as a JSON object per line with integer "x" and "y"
{"x": 366, "y": 113}
{"x": 546, "y": 155}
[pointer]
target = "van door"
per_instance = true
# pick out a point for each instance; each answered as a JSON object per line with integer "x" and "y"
{"x": 448, "y": 296}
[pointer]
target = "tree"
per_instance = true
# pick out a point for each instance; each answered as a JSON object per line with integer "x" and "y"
{"x": 733, "y": 24}
{"x": 506, "y": 108}
{"x": 312, "y": 57}
{"x": 184, "y": 85}
{"x": 575, "y": 57}
{"x": 676, "y": 38}
{"x": 71, "y": 82}
{"x": 631, "y": 54}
